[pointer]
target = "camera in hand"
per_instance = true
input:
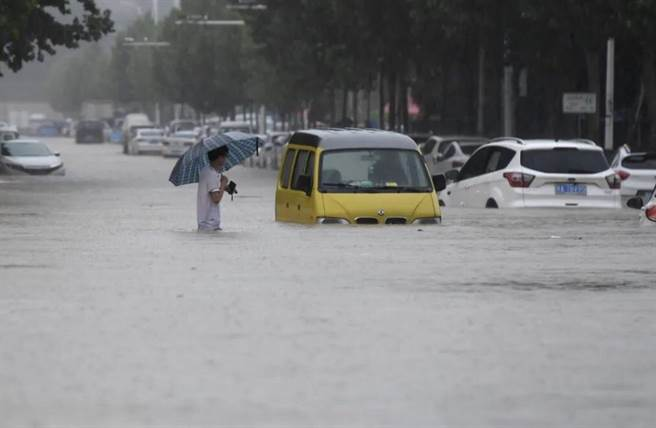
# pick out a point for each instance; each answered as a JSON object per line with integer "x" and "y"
{"x": 232, "y": 189}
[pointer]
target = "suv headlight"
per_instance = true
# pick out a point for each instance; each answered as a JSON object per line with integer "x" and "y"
{"x": 332, "y": 220}
{"x": 428, "y": 220}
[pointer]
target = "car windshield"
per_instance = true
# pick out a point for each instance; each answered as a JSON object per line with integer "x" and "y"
{"x": 565, "y": 161}
{"x": 644, "y": 161}
{"x": 427, "y": 147}
{"x": 376, "y": 170}
{"x": 90, "y": 125}
{"x": 470, "y": 148}
{"x": 151, "y": 133}
{"x": 25, "y": 149}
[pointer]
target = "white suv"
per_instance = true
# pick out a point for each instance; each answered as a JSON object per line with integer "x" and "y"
{"x": 637, "y": 171}
{"x": 513, "y": 173}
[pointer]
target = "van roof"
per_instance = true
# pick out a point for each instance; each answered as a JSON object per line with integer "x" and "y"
{"x": 352, "y": 138}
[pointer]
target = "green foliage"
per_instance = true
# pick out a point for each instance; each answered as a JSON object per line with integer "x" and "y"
{"x": 29, "y": 29}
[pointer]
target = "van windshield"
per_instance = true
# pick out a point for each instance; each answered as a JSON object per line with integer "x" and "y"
{"x": 373, "y": 171}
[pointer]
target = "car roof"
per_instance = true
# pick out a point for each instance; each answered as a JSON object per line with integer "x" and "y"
{"x": 537, "y": 144}
{"x": 352, "y": 138}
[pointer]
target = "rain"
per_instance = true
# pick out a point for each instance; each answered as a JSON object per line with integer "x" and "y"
{"x": 341, "y": 214}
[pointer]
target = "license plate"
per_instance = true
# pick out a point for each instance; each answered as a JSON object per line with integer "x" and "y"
{"x": 571, "y": 189}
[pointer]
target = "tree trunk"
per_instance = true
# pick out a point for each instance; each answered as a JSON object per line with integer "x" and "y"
{"x": 381, "y": 99}
{"x": 356, "y": 96}
{"x": 368, "y": 101}
{"x": 592, "y": 61}
{"x": 649, "y": 77}
{"x": 480, "y": 117}
{"x": 391, "y": 84}
{"x": 405, "y": 115}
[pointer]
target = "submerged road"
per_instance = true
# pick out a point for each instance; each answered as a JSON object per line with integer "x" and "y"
{"x": 115, "y": 312}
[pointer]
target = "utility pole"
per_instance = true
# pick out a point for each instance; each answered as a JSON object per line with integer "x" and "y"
{"x": 610, "y": 96}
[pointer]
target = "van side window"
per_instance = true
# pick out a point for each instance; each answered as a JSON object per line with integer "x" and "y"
{"x": 300, "y": 168}
{"x": 287, "y": 168}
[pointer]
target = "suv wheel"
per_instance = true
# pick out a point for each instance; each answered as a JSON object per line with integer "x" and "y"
{"x": 491, "y": 203}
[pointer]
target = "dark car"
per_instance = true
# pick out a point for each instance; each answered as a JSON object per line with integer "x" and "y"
{"x": 90, "y": 131}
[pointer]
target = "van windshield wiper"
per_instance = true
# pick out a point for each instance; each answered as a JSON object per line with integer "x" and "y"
{"x": 403, "y": 189}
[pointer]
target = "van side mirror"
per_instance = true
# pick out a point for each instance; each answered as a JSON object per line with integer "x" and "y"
{"x": 452, "y": 175}
{"x": 635, "y": 203}
{"x": 439, "y": 181}
{"x": 304, "y": 183}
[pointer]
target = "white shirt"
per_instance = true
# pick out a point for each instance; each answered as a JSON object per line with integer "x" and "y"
{"x": 209, "y": 213}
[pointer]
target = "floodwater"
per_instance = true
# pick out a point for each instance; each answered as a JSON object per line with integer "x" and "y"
{"x": 115, "y": 312}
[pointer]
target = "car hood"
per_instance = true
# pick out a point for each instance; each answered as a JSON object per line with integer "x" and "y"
{"x": 377, "y": 205}
{"x": 34, "y": 161}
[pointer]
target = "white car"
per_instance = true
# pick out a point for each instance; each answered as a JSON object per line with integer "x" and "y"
{"x": 29, "y": 157}
{"x": 443, "y": 154}
{"x": 177, "y": 144}
{"x": 513, "y": 173}
{"x": 147, "y": 140}
{"x": 637, "y": 171}
{"x": 648, "y": 209}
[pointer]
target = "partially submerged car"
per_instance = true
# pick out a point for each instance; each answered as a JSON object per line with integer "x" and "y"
{"x": 355, "y": 176}
{"x": 647, "y": 206}
{"x": 516, "y": 173}
{"x": 29, "y": 157}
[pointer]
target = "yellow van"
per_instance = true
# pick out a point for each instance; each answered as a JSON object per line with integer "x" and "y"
{"x": 355, "y": 176}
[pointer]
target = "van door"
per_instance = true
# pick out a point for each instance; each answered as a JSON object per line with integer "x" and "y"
{"x": 303, "y": 205}
{"x": 283, "y": 194}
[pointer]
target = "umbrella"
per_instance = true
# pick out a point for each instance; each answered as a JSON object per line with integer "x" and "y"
{"x": 241, "y": 146}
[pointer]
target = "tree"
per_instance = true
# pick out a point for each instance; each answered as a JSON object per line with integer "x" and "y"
{"x": 29, "y": 29}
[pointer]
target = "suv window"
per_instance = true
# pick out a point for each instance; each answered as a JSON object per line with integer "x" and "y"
{"x": 565, "y": 161}
{"x": 287, "y": 167}
{"x": 645, "y": 161}
{"x": 476, "y": 165}
{"x": 300, "y": 168}
{"x": 499, "y": 159}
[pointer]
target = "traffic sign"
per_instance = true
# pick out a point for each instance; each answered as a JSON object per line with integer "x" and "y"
{"x": 580, "y": 103}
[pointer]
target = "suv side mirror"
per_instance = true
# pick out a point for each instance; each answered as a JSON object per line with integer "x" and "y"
{"x": 304, "y": 183}
{"x": 635, "y": 203}
{"x": 439, "y": 181}
{"x": 452, "y": 175}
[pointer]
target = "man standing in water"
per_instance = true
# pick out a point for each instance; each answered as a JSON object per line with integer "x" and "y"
{"x": 211, "y": 188}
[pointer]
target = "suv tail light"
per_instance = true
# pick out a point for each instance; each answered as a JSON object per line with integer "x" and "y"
{"x": 519, "y": 180}
{"x": 623, "y": 175}
{"x": 651, "y": 213}
{"x": 614, "y": 181}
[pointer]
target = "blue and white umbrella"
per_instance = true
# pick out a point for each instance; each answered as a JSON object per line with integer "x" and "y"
{"x": 241, "y": 147}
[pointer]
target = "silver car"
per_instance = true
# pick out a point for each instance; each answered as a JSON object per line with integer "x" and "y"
{"x": 444, "y": 154}
{"x": 29, "y": 157}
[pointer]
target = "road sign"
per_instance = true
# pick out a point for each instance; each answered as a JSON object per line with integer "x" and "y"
{"x": 580, "y": 103}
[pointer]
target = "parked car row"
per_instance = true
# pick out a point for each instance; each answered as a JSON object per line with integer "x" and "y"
{"x": 350, "y": 176}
